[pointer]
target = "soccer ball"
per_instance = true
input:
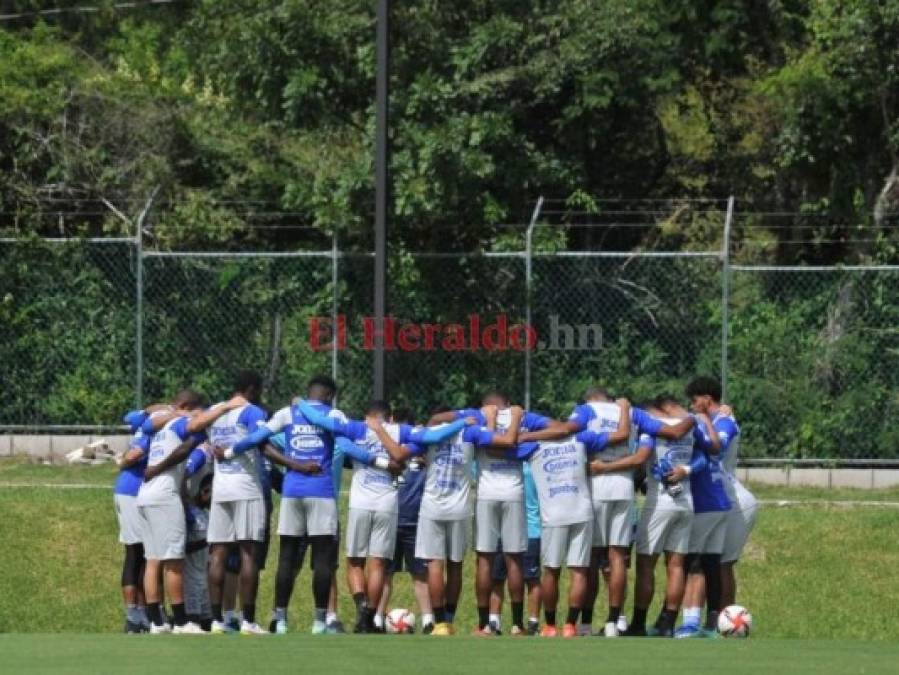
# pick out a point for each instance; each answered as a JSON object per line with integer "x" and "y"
{"x": 735, "y": 621}
{"x": 400, "y": 621}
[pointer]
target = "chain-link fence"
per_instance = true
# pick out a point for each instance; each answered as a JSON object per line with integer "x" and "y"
{"x": 810, "y": 355}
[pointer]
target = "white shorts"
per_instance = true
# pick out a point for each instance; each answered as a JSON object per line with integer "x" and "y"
{"x": 129, "y": 519}
{"x": 196, "y": 585}
{"x": 312, "y": 516}
{"x": 739, "y": 526}
{"x": 496, "y": 521}
{"x": 707, "y": 532}
{"x": 441, "y": 539}
{"x": 163, "y": 531}
{"x": 370, "y": 534}
{"x": 568, "y": 544}
{"x": 667, "y": 530}
{"x": 612, "y": 523}
{"x": 239, "y": 520}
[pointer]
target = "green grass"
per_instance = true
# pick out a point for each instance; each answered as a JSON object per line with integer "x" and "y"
{"x": 401, "y": 655}
{"x": 812, "y": 571}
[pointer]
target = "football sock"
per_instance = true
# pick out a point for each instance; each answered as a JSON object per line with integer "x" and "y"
{"x": 229, "y": 615}
{"x": 133, "y": 614}
{"x": 495, "y": 620}
{"x": 666, "y": 619}
{"x": 440, "y": 615}
{"x": 550, "y": 617}
{"x": 587, "y": 616}
{"x": 711, "y": 620}
{"x": 155, "y": 613}
{"x": 217, "y": 613}
{"x": 331, "y": 617}
{"x": 614, "y": 613}
{"x": 179, "y": 613}
{"x": 572, "y": 615}
{"x": 379, "y": 620}
{"x": 450, "y": 612}
{"x": 518, "y": 614}
{"x": 692, "y": 616}
{"x": 482, "y": 616}
{"x": 280, "y": 613}
{"x": 321, "y": 614}
{"x": 359, "y": 600}
{"x": 426, "y": 619}
{"x": 249, "y": 613}
{"x": 639, "y": 620}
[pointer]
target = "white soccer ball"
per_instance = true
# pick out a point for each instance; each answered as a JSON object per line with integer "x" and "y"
{"x": 734, "y": 622}
{"x": 400, "y": 621}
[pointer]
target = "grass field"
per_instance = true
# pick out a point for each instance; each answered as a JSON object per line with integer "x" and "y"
{"x": 413, "y": 654}
{"x": 811, "y": 571}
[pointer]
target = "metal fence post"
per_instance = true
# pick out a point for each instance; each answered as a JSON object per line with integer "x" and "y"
{"x": 528, "y": 277}
{"x": 138, "y": 317}
{"x": 725, "y": 294}
{"x": 334, "y": 292}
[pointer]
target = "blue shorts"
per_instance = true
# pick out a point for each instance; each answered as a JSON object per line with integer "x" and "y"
{"x": 530, "y": 562}
{"x": 404, "y": 554}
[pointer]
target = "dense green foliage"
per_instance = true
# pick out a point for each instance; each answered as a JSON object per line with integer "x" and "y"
{"x": 228, "y": 125}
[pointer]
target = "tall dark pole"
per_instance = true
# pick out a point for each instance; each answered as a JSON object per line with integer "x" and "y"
{"x": 382, "y": 189}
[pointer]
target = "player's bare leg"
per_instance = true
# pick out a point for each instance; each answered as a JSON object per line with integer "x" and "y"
{"x": 377, "y": 578}
{"x": 577, "y": 593}
{"x": 515, "y": 579}
{"x": 217, "y": 554}
{"x": 549, "y": 591}
{"x": 534, "y": 604}
{"x": 728, "y": 584}
{"x": 423, "y": 597}
{"x": 617, "y": 584}
{"x": 152, "y": 592}
{"x": 249, "y": 581}
{"x": 482, "y": 585}
{"x": 453, "y": 588}
{"x": 174, "y": 588}
{"x": 644, "y": 588}
{"x": 355, "y": 579}
{"x": 597, "y": 554}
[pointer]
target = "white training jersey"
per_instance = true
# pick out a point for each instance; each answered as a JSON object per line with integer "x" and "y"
{"x": 237, "y": 478}
{"x": 737, "y": 493}
{"x": 166, "y": 487}
{"x": 610, "y": 486}
{"x": 500, "y": 479}
{"x": 679, "y": 452}
{"x": 374, "y": 489}
{"x": 448, "y": 486}
{"x": 560, "y": 474}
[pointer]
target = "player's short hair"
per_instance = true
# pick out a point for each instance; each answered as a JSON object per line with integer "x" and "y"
{"x": 322, "y": 388}
{"x": 403, "y": 415}
{"x": 494, "y": 393}
{"x": 666, "y": 399}
{"x": 247, "y": 380}
{"x": 378, "y": 407}
{"x": 595, "y": 392}
{"x": 705, "y": 385}
{"x": 188, "y": 399}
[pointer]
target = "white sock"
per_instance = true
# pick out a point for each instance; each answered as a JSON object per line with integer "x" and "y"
{"x": 692, "y": 616}
{"x": 533, "y": 619}
{"x": 379, "y": 620}
{"x": 330, "y": 617}
{"x": 279, "y": 614}
{"x": 427, "y": 619}
{"x": 495, "y": 619}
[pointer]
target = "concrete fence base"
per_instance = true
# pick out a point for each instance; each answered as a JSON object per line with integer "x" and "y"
{"x": 55, "y": 447}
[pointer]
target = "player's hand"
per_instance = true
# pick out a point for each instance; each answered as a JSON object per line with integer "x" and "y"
{"x": 218, "y": 452}
{"x": 677, "y": 474}
{"x": 516, "y": 410}
{"x": 395, "y": 468}
{"x": 596, "y": 467}
{"x": 236, "y": 402}
{"x": 623, "y": 402}
{"x": 151, "y": 472}
{"x": 308, "y": 468}
{"x": 373, "y": 422}
{"x": 726, "y": 410}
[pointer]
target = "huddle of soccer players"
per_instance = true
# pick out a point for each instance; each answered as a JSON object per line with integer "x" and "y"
{"x": 550, "y": 492}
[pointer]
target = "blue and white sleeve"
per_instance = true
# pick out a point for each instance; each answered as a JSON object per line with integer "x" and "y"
{"x": 593, "y": 442}
{"x": 581, "y": 415}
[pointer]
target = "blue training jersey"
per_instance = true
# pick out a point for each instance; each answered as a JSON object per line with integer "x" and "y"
{"x": 130, "y": 478}
{"x": 531, "y": 503}
{"x": 530, "y": 421}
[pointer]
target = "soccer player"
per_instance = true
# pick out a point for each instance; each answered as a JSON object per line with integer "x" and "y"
{"x": 411, "y": 490}
{"x": 705, "y": 397}
{"x": 666, "y": 521}
{"x": 445, "y": 511}
{"x": 560, "y": 475}
{"x": 308, "y": 504}
{"x": 127, "y": 486}
{"x": 196, "y": 581}
{"x": 163, "y": 522}
{"x": 237, "y": 513}
{"x": 500, "y": 513}
{"x": 530, "y": 563}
